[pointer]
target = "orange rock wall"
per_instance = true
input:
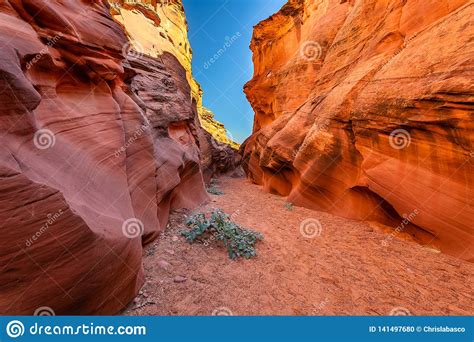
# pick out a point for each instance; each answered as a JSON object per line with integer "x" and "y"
{"x": 364, "y": 108}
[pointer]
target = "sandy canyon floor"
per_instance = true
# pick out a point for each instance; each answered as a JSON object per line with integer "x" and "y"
{"x": 344, "y": 270}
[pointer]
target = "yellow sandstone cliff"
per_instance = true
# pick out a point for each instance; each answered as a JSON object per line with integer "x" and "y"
{"x": 155, "y": 27}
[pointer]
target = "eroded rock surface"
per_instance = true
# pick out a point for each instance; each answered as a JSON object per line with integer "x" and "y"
{"x": 365, "y": 109}
{"x": 96, "y": 150}
{"x": 154, "y": 27}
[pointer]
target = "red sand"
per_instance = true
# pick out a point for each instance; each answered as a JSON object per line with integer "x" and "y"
{"x": 344, "y": 271}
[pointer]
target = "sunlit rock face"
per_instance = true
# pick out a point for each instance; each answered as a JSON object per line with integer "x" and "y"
{"x": 96, "y": 150}
{"x": 155, "y": 27}
{"x": 216, "y": 128}
{"x": 364, "y": 109}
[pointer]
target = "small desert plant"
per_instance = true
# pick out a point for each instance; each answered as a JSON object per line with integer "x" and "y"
{"x": 240, "y": 242}
{"x": 289, "y": 206}
{"x": 213, "y": 189}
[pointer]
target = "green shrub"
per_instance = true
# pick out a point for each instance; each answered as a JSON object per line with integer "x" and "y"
{"x": 240, "y": 242}
{"x": 289, "y": 206}
{"x": 213, "y": 189}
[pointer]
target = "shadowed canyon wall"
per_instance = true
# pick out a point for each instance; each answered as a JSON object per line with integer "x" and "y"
{"x": 96, "y": 150}
{"x": 364, "y": 108}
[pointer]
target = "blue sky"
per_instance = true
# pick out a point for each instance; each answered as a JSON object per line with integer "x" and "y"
{"x": 212, "y": 24}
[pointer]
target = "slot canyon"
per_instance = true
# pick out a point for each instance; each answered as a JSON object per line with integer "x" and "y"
{"x": 358, "y": 170}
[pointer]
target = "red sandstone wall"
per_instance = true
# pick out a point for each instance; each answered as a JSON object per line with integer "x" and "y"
{"x": 95, "y": 152}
